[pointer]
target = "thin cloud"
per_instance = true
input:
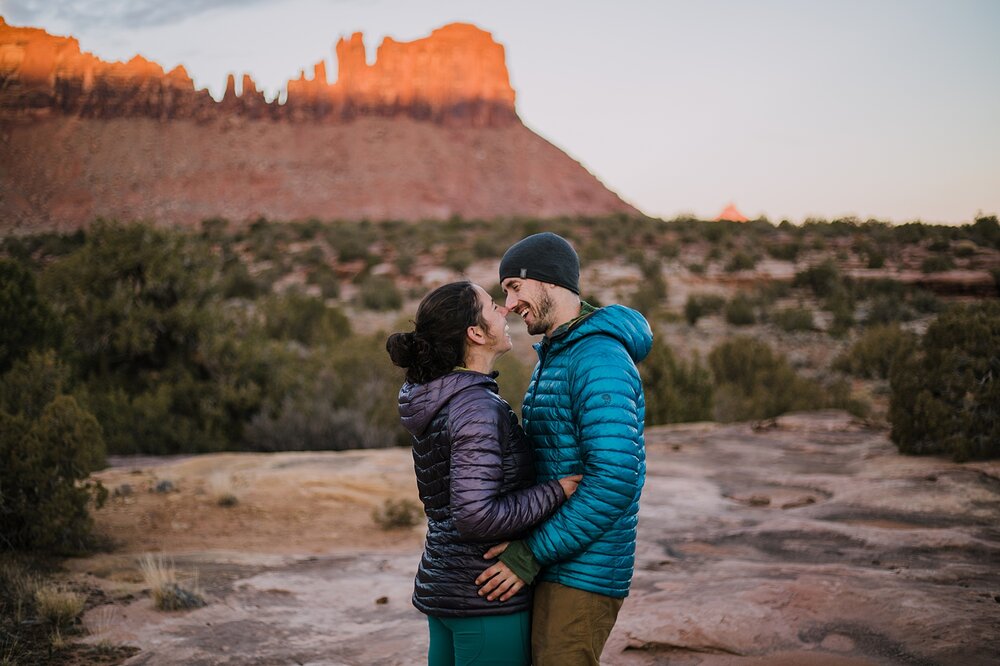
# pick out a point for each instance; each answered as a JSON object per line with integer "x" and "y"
{"x": 118, "y": 13}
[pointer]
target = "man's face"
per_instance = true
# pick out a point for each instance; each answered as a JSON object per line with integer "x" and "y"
{"x": 530, "y": 300}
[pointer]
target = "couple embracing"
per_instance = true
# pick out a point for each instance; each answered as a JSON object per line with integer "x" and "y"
{"x": 531, "y": 527}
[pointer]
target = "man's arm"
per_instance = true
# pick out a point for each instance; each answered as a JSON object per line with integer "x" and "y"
{"x": 606, "y": 416}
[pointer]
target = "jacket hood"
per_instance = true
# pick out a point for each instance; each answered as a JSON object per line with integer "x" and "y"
{"x": 624, "y": 324}
{"x": 420, "y": 403}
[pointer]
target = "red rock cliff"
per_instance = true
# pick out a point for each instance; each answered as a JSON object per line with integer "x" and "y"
{"x": 457, "y": 75}
{"x": 427, "y": 131}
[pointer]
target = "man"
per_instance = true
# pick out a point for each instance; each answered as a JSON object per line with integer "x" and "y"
{"x": 584, "y": 411}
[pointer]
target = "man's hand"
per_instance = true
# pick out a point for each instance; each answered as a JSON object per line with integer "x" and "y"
{"x": 495, "y": 551}
{"x": 499, "y": 582}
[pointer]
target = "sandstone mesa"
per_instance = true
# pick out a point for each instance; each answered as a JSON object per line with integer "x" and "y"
{"x": 429, "y": 130}
{"x": 456, "y": 75}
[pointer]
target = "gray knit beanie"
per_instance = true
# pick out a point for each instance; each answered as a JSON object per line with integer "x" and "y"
{"x": 545, "y": 257}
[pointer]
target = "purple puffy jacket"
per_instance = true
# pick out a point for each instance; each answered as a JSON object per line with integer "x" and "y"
{"x": 475, "y": 473}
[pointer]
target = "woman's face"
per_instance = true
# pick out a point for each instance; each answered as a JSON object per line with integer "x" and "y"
{"x": 495, "y": 317}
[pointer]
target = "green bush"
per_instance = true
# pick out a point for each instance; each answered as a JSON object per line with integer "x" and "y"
{"x": 794, "y": 319}
{"x": 307, "y": 319}
{"x": 823, "y": 279}
{"x": 785, "y": 251}
{"x": 676, "y": 391}
{"x": 700, "y": 305}
{"x": 380, "y": 293}
{"x": 326, "y": 279}
{"x": 873, "y": 353}
{"x": 945, "y": 398}
{"x": 887, "y": 310}
{"x": 740, "y": 261}
{"x": 740, "y": 311}
{"x": 652, "y": 291}
{"x": 937, "y": 263}
{"x": 754, "y": 382}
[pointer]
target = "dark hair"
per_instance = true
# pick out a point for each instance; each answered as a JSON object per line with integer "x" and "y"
{"x": 437, "y": 343}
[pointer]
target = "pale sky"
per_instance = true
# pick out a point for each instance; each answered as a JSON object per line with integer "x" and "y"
{"x": 788, "y": 108}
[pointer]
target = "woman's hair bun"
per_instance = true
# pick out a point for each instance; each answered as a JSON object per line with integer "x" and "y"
{"x": 401, "y": 349}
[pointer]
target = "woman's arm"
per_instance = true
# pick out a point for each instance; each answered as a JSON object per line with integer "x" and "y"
{"x": 479, "y": 424}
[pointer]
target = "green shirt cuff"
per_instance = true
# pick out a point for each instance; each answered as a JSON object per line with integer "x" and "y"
{"x": 521, "y": 561}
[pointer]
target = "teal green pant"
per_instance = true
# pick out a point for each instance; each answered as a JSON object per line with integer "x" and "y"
{"x": 493, "y": 640}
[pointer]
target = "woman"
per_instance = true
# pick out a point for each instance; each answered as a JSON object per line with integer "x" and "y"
{"x": 475, "y": 474}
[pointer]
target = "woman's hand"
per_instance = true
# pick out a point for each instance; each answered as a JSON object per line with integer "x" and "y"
{"x": 569, "y": 484}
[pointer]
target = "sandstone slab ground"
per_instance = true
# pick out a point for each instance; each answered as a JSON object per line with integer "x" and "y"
{"x": 803, "y": 540}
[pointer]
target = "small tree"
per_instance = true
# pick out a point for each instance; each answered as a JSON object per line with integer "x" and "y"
{"x": 42, "y": 463}
{"x": 27, "y": 322}
{"x": 946, "y": 397}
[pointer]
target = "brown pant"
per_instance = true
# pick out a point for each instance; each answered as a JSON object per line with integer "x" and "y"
{"x": 569, "y": 626}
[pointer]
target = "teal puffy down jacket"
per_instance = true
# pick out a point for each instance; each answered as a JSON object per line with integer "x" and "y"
{"x": 584, "y": 411}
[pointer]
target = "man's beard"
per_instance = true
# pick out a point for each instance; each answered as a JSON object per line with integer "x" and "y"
{"x": 544, "y": 311}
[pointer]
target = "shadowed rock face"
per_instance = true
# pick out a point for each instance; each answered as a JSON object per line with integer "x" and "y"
{"x": 808, "y": 543}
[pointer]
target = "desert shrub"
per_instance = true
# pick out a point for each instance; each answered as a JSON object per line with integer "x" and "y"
{"x": 754, "y": 382}
{"x": 886, "y": 310}
{"x": 397, "y": 514}
{"x": 676, "y": 391}
{"x": 965, "y": 250}
{"x": 945, "y": 398}
{"x": 740, "y": 261}
{"x": 873, "y": 353}
{"x": 326, "y": 279}
{"x": 652, "y": 291}
{"x": 985, "y": 231}
{"x": 347, "y": 401}
{"x": 237, "y": 282}
{"x": 312, "y": 423}
{"x": 350, "y": 242}
{"x": 875, "y": 259}
{"x": 937, "y": 263}
{"x": 739, "y": 311}
{"x": 794, "y": 319}
{"x": 925, "y": 302}
{"x": 458, "y": 259}
{"x": 405, "y": 262}
{"x": 43, "y": 461}
{"x": 380, "y": 293}
{"x": 697, "y": 269}
{"x": 841, "y": 306}
{"x": 823, "y": 279}
{"x": 785, "y": 251}
{"x": 700, "y": 305}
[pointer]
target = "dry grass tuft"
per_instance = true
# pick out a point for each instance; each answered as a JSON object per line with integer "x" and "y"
{"x": 397, "y": 514}
{"x": 167, "y": 593}
{"x": 17, "y": 587}
{"x": 222, "y": 488}
{"x": 58, "y": 607}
